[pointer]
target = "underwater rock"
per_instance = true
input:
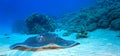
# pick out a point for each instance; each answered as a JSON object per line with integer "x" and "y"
{"x": 103, "y": 23}
{"x": 92, "y": 27}
{"x": 44, "y": 41}
{"x": 40, "y": 23}
{"x": 84, "y": 34}
{"x": 115, "y": 24}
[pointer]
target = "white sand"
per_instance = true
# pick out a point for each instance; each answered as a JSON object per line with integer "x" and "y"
{"x": 99, "y": 43}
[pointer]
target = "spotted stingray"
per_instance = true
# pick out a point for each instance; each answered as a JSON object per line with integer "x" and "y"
{"x": 44, "y": 41}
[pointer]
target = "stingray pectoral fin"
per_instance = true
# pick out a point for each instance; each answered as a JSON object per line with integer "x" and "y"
{"x": 16, "y": 45}
{"x": 28, "y": 45}
{"x": 66, "y": 43}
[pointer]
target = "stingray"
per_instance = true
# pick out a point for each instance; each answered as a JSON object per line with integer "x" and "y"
{"x": 44, "y": 41}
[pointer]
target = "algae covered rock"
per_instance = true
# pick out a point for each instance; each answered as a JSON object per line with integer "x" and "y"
{"x": 115, "y": 24}
{"x": 92, "y": 27}
{"x": 40, "y": 23}
{"x": 83, "y": 34}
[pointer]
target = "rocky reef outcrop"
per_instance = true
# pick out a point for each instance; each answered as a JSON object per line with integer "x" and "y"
{"x": 104, "y": 14}
{"x": 40, "y": 23}
{"x": 115, "y": 24}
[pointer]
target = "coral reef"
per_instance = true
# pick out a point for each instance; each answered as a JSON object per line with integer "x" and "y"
{"x": 40, "y": 23}
{"x": 104, "y": 14}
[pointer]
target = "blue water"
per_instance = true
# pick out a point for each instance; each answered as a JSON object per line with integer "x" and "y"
{"x": 21, "y": 9}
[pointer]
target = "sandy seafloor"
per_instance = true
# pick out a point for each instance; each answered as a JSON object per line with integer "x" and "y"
{"x": 99, "y": 43}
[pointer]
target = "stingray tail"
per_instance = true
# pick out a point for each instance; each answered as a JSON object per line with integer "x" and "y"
{"x": 15, "y": 45}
